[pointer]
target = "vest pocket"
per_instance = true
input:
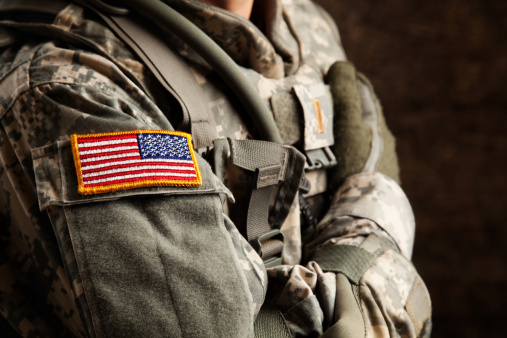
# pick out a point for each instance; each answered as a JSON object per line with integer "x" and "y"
{"x": 153, "y": 261}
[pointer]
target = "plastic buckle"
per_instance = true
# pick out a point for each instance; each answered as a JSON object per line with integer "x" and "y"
{"x": 321, "y": 158}
{"x": 304, "y": 186}
{"x": 256, "y": 244}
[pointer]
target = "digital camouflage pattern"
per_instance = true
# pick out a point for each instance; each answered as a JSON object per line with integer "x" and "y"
{"x": 51, "y": 90}
{"x": 357, "y": 196}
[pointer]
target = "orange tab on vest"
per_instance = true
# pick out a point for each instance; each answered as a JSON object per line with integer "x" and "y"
{"x": 132, "y": 159}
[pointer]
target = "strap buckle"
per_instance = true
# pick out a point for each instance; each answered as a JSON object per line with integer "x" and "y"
{"x": 321, "y": 158}
{"x": 269, "y": 246}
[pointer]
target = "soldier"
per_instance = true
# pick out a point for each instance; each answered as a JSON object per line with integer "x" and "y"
{"x": 188, "y": 168}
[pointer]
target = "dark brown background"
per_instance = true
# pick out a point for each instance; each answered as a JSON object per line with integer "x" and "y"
{"x": 440, "y": 69}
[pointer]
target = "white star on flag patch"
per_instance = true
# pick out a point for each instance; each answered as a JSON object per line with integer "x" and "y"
{"x": 132, "y": 159}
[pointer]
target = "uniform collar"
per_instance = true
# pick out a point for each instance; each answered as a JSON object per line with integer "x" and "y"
{"x": 273, "y": 54}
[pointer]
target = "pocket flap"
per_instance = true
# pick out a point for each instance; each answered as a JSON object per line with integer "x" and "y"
{"x": 57, "y": 182}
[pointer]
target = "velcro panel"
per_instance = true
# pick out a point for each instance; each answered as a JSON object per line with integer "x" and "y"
{"x": 418, "y": 307}
{"x": 270, "y": 322}
{"x": 351, "y": 261}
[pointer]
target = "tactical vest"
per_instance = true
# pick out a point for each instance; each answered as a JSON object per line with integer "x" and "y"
{"x": 298, "y": 99}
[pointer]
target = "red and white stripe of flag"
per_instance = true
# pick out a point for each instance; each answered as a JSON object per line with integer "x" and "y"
{"x": 109, "y": 163}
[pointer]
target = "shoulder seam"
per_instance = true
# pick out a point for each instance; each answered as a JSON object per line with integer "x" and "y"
{"x": 17, "y": 80}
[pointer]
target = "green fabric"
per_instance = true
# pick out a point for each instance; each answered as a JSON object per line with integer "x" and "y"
{"x": 190, "y": 284}
{"x": 258, "y": 213}
{"x": 261, "y": 155}
{"x": 363, "y": 142}
{"x": 253, "y": 154}
{"x": 352, "y": 261}
{"x": 353, "y": 137}
{"x": 185, "y": 252}
{"x": 388, "y": 164}
{"x": 289, "y": 124}
{"x": 270, "y": 323}
{"x": 348, "y": 316}
{"x": 308, "y": 316}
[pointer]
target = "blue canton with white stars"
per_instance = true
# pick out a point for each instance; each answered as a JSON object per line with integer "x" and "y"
{"x": 164, "y": 146}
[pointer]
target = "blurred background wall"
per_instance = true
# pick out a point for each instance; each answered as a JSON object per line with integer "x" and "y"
{"x": 440, "y": 70}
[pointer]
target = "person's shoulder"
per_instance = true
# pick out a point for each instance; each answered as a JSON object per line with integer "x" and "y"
{"x": 32, "y": 64}
{"x": 15, "y": 67}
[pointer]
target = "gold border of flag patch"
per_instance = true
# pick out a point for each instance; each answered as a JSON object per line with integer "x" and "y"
{"x": 134, "y": 183}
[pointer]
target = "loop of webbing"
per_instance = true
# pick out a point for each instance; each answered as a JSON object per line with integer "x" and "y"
{"x": 271, "y": 248}
{"x": 351, "y": 261}
{"x": 274, "y": 168}
{"x": 271, "y": 323}
{"x": 258, "y": 212}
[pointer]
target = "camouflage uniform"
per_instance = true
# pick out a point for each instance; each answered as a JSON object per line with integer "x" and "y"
{"x": 168, "y": 261}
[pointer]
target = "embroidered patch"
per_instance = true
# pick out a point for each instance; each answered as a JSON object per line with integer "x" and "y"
{"x": 132, "y": 159}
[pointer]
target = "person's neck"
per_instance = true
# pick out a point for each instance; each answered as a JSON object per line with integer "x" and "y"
{"x": 240, "y": 7}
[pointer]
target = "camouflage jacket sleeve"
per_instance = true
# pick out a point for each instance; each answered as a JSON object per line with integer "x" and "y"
{"x": 146, "y": 262}
{"x": 371, "y": 213}
{"x": 359, "y": 281}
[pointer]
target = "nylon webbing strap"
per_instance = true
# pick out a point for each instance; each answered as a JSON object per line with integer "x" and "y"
{"x": 270, "y": 323}
{"x": 267, "y": 161}
{"x": 258, "y": 212}
{"x": 351, "y": 261}
{"x": 275, "y": 167}
{"x": 348, "y": 315}
{"x": 290, "y": 125}
{"x": 172, "y": 72}
{"x": 271, "y": 248}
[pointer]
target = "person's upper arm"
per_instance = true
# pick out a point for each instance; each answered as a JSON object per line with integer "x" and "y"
{"x": 147, "y": 261}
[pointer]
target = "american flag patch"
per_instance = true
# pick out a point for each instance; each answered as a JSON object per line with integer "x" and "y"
{"x": 132, "y": 159}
